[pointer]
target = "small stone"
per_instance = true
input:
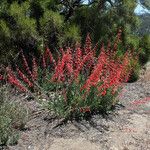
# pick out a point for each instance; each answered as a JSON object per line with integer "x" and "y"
{"x": 125, "y": 148}
{"x": 114, "y": 148}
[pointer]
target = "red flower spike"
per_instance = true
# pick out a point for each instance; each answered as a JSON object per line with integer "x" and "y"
{"x": 23, "y": 77}
{"x": 25, "y": 64}
{"x": 94, "y": 77}
{"x": 65, "y": 64}
{"x": 34, "y": 69}
{"x": 88, "y": 46}
{"x": 59, "y": 69}
{"x": 81, "y": 109}
{"x": 14, "y": 81}
{"x": 78, "y": 57}
{"x": 87, "y": 109}
{"x": 1, "y": 77}
{"x": 86, "y": 59}
{"x": 43, "y": 62}
{"x": 61, "y": 51}
{"x": 94, "y": 49}
{"x": 69, "y": 62}
{"x": 46, "y": 54}
{"x": 49, "y": 54}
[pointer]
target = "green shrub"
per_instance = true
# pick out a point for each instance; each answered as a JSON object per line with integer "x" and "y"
{"x": 13, "y": 117}
{"x": 145, "y": 55}
{"x": 135, "y": 73}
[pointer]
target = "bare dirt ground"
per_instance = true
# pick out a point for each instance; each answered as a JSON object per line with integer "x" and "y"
{"x": 127, "y": 128}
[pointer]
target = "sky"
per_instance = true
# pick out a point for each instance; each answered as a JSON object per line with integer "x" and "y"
{"x": 139, "y": 10}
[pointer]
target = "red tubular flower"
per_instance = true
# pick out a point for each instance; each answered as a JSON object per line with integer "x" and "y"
{"x": 61, "y": 51}
{"x": 115, "y": 88}
{"x": 95, "y": 76}
{"x": 65, "y": 65}
{"x": 118, "y": 72}
{"x": 88, "y": 46}
{"x": 86, "y": 59}
{"x": 1, "y": 77}
{"x": 59, "y": 69}
{"x": 43, "y": 62}
{"x": 25, "y": 64}
{"x": 89, "y": 62}
{"x": 69, "y": 67}
{"x": 80, "y": 61}
{"x": 113, "y": 78}
{"x": 78, "y": 57}
{"x": 77, "y": 71}
{"x": 142, "y": 101}
{"x": 94, "y": 49}
{"x": 34, "y": 69}
{"x": 81, "y": 109}
{"x": 46, "y": 53}
{"x": 14, "y": 81}
{"x": 85, "y": 109}
{"x": 49, "y": 54}
{"x": 103, "y": 93}
{"x": 69, "y": 62}
{"x": 10, "y": 72}
{"x": 23, "y": 77}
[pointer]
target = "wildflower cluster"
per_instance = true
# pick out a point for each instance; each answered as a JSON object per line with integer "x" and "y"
{"x": 90, "y": 83}
{"x": 12, "y": 79}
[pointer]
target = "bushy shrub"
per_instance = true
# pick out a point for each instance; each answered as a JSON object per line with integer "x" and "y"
{"x": 13, "y": 117}
{"x": 83, "y": 83}
{"x": 145, "y": 55}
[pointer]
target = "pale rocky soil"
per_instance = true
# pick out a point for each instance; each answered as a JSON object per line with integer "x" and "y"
{"x": 127, "y": 128}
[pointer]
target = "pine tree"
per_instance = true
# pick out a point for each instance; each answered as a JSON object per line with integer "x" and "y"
{"x": 104, "y": 17}
{"x": 30, "y": 25}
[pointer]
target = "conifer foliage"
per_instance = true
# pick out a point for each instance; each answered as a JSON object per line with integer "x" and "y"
{"x": 30, "y": 25}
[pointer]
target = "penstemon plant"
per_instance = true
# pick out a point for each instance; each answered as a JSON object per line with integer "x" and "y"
{"x": 83, "y": 82}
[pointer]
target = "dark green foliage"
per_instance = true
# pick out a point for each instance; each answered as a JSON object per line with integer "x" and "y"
{"x": 45, "y": 83}
{"x": 75, "y": 103}
{"x": 145, "y": 44}
{"x": 103, "y": 21}
{"x": 29, "y": 25}
{"x": 145, "y": 25}
{"x": 135, "y": 73}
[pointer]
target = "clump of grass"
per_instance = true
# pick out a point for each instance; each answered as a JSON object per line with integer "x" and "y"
{"x": 13, "y": 117}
